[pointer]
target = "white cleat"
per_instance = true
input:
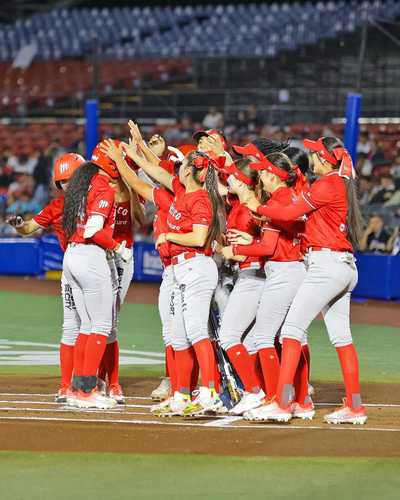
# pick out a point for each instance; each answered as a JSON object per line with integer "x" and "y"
{"x": 311, "y": 390}
{"x": 347, "y": 415}
{"x": 269, "y": 412}
{"x": 94, "y": 400}
{"x": 162, "y": 391}
{"x": 206, "y": 400}
{"x": 175, "y": 407}
{"x": 159, "y": 406}
{"x": 249, "y": 401}
{"x": 115, "y": 392}
{"x": 305, "y": 411}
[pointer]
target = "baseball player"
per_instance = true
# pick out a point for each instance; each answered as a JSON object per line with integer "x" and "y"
{"x": 51, "y": 216}
{"x": 163, "y": 199}
{"x": 128, "y": 212}
{"x": 88, "y": 223}
{"x": 332, "y": 231}
{"x": 194, "y": 223}
{"x": 284, "y": 273}
{"x": 242, "y": 304}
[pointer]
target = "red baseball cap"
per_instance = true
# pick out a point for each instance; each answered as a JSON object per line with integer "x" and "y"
{"x": 212, "y": 131}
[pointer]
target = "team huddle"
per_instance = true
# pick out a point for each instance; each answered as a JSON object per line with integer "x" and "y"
{"x": 254, "y": 245}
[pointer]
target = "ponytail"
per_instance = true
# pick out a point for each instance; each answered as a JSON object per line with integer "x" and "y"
{"x": 76, "y": 196}
{"x": 210, "y": 184}
{"x": 354, "y": 222}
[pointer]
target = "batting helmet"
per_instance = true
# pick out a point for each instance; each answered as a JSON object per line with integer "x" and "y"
{"x": 104, "y": 162}
{"x": 65, "y": 166}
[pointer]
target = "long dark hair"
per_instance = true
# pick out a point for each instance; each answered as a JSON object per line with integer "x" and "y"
{"x": 283, "y": 162}
{"x": 243, "y": 165}
{"x": 298, "y": 157}
{"x": 217, "y": 205}
{"x": 76, "y": 196}
{"x": 355, "y": 222}
{"x": 268, "y": 146}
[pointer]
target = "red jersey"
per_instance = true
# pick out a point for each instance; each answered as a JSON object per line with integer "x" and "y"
{"x": 163, "y": 200}
{"x": 326, "y": 205}
{"x": 123, "y": 229}
{"x": 51, "y": 215}
{"x": 100, "y": 201}
{"x": 242, "y": 219}
{"x": 186, "y": 211}
{"x": 277, "y": 243}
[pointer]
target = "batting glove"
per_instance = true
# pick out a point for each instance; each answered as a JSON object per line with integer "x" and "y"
{"x": 15, "y": 221}
{"x": 123, "y": 252}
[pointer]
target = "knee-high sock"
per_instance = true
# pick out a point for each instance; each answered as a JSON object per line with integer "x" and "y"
{"x": 291, "y": 350}
{"x": 66, "y": 364}
{"x": 301, "y": 381}
{"x": 95, "y": 347}
{"x": 206, "y": 358}
{"x": 194, "y": 378}
{"x": 111, "y": 357}
{"x": 245, "y": 368}
{"x": 79, "y": 353}
{"x": 170, "y": 369}
{"x": 349, "y": 363}
{"x": 184, "y": 365}
{"x": 270, "y": 368}
{"x": 255, "y": 359}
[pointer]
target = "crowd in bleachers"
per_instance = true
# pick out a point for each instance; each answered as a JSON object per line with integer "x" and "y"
{"x": 27, "y": 155}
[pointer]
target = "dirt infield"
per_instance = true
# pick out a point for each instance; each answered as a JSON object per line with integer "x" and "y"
{"x": 368, "y": 312}
{"x": 30, "y": 420}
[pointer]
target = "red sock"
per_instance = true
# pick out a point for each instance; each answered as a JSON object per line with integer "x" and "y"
{"x": 112, "y": 362}
{"x": 102, "y": 373}
{"x": 184, "y": 365}
{"x": 194, "y": 378}
{"x": 95, "y": 347}
{"x": 306, "y": 351}
{"x": 170, "y": 369}
{"x": 301, "y": 381}
{"x": 291, "y": 350}
{"x": 66, "y": 363}
{"x": 270, "y": 368}
{"x": 349, "y": 364}
{"x": 206, "y": 358}
{"x": 79, "y": 353}
{"x": 255, "y": 358}
{"x": 244, "y": 366}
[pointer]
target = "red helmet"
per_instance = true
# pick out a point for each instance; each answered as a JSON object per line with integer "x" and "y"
{"x": 65, "y": 166}
{"x": 104, "y": 162}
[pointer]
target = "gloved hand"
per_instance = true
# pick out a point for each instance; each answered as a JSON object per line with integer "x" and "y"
{"x": 15, "y": 221}
{"x": 123, "y": 252}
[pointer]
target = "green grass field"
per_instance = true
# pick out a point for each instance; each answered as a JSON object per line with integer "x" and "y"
{"x": 45, "y": 476}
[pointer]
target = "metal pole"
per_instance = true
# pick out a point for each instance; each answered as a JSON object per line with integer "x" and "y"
{"x": 351, "y": 131}
{"x": 91, "y": 125}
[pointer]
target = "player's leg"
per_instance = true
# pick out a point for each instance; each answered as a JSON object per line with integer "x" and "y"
{"x": 325, "y": 279}
{"x": 337, "y": 319}
{"x": 90, "y": 270}
{"x": 70, "y": 332}
{"x": 283, "y": 279}
{"x": 197, "y": 279}
{"x": 239, "y": 312}
{"x": 165, "y": 308}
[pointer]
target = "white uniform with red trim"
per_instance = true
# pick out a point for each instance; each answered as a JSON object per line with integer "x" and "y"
{"x": 85, "y": 263}
{"x": 195, "y": 272}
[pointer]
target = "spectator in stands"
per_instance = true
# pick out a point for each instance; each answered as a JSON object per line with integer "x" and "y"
{"x": 376, "y": 236}
{"x": 364, "y": 164}
{"x": 186, "y": 126}
{"x": 365, "y": 189}
{"x": 395, "y": 171}
{"x": 379, "y": 157}
{"x": 385, "y": 190}
{"x": 213, "y": 119}
{"x": 365, "y": 145}
{"x": 23, "y": 164}
{"x": 254, "y": 121}
{"x": 23, "y": 204}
